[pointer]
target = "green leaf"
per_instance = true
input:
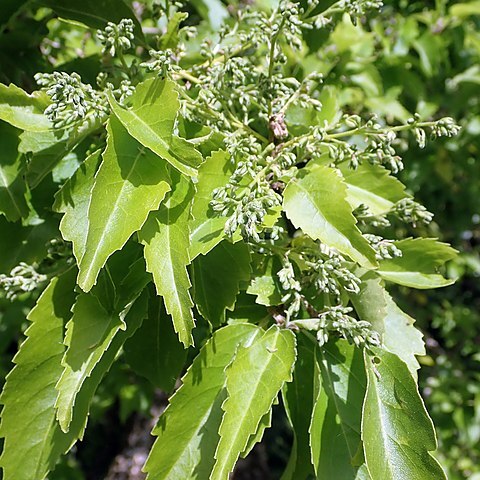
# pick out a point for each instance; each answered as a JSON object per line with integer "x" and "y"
{"x": 133, "y": 321}
{"x": 98, "y": 318}
{"x": 33, "y": 438}
{"x": 22, "y": 110}
{"x": 166, "y": 237}
{"x": 254, "y": 379}
{"x": 185, "y": 444}
{"x": 248, "y": 311}
{"x": 397, "y": 331}
{"x": 463, "y": 10}
{"x": 417, "y": 267}
{"x": 73, "y": 201}
{"x": 156, "y": 131}
{"x": 89, "y": 334}
{"x": 335, "y": 429}
{"x": 316, "y": 203}
{"x": 13, "y": 190}
{"x": 217, "y": 277}
{"x": 47, "y": 148}
{"x": 370, "y": 303}
{"x": 131, "y": 284}
{"x": 396, "y": 429}
{"x": 299, "y": 397}
{"x": 130, "y": 183}
{"x": 331, "y": 112}
{"x": 207, "y": 227}
{"x": 122, "y": 279}
{"x": 429, "y": 47}
{"x": 265, "y": 422}
{"x": 28, "y": 416}
{"x": 401, "y": 337}
{"x": 170, "y": 38}
{"x": 154, "y": 351}
{"x": 299, "y": 117}
{"x": 373, "y": 186}
{"x": 265, "y": 284}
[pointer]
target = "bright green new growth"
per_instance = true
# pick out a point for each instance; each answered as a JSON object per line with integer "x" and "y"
{"x": 221, "y": 218}
{"x": 316, "y": 203}
{"x": 166, "y": 239}
{"x": 130, "y": 183}
{"x": 176, "y": 452}
{"x": 253, "y": 381}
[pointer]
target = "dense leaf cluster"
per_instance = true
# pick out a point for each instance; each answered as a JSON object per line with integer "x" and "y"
{"x": 221, "y": 190}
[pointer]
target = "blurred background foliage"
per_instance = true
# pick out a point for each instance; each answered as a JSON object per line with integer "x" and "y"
{"x": 411, "y": 57}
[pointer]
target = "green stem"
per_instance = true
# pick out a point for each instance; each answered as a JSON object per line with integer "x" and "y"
{"x": 212, "y": 113}
{"x": 187, "y": 76}
{"x": 123, "y": 62}
{"x": 355, "y": 131}
{"x": 271, "y": 59}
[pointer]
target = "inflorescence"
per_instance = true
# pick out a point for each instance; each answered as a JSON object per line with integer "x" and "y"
{"x": 242, "y": 91}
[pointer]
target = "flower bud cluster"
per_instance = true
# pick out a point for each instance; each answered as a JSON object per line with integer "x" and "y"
{"x": 355, "y": 8}
{"x": 282, "y": 162}
{"x": 248, "y": 195}
{"x": 384, "y": 249}
{"x": 365, "y": 216}
{"x": 358, "y": 8}
{"x": 241, "y": 85}
{"x": 230, "y": 88}
{"x": 341, "y": 151}
{"x": 117, "y": 38}
{"x": 249, "y": 215}
{"x": 329, "y": 273}
{"x": 23, "y": 278}
{"x": 246, "y": 207}
{"x": 321, "y": 21}
{"x": 162, "y": 62}
{"x": 412, "y": 212}
{"x": 381, "y": 150}
{"x": 124, "y": 91}
{"x": 293, "y": 297}
{"x": 72, "y": 100}
{"x": 370, "y": 141}
{"x": 289, "y": 21}
{"x": 336, "y": 320}
{"x": 445, "y": 127}
{"x": 420, "y": 136}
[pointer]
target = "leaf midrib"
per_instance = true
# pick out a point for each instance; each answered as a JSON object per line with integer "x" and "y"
{"x": 201, "y": 423}
{"x": 172, "y": 277}
{"x": 108, "y": 224}
{"x": 247, "y": 408}
{"x": 320, "y": 214}
{"x": 86, "y": 371}
{"x": 168, "y": 155}
{"x": 380, "y": 419}
{"x": 342, "y": 426}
